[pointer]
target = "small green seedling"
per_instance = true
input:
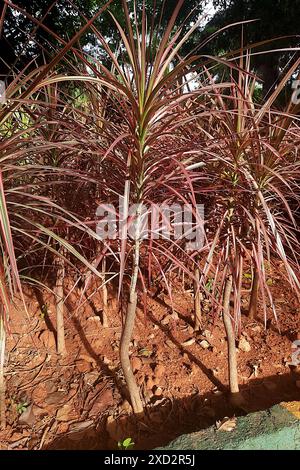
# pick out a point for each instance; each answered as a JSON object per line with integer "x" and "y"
{"x": 144, "y": 352}
{"x": 21, "y": 407}
{"x": 126, "y": 443}
{"x": 209, "y": 284}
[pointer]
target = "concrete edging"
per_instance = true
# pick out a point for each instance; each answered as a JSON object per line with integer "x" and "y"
{"x": 277, "y": 428}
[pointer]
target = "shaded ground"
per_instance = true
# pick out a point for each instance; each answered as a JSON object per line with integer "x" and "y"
{"x": 79, "y": 402}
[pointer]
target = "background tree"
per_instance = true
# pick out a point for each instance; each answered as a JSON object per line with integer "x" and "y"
{"x": 22, "y": 38}
{"x": 276, "y": 19}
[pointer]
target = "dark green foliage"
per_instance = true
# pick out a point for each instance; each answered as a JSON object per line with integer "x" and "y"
{"x": 22, "y": 39}
{"x": 276, "y": 18}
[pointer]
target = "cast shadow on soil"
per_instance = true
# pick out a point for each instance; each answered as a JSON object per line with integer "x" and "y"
{"x": 100, "y": 363}
{"x": 123, "y": 391}
{"x": 170, "y": 419}
{"x": 208, "y": 372}
{"x": 165, "y": 418}
{"x": 76, "y": 322}
{"x": 97, "y": 312}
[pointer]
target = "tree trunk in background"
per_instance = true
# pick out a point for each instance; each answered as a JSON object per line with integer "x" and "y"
{"x": 59, "y": 298}
{"x": 232, "y": 362}
{"x": 254, "y": 296}
{"x": 269, "y": 72}
{"x": 2, "y": 379}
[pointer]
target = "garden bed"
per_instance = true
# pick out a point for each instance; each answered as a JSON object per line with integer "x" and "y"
{"x": 80, "y": 402}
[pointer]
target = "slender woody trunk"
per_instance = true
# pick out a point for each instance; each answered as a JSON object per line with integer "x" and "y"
{"x": 232, "y": 362}
{"x": 197, "y": 300}
{"x": 104, "y": 296}
{"x": 2, "y": 379}
{"x": 133, "y": 389}
{"x": 254, "y": 296}
{"x": 59, "y": 297}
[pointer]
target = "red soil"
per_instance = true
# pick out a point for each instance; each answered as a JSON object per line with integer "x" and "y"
{"x": 79, "y": 402}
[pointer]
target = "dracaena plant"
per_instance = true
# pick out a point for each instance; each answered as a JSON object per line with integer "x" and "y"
{"x": 146, "y": 91}
{"x": 24, "y": 210}
{"x": 251, "y": 193}
{"x": 34, "y": 217}
{"x": 143, "y": 150}
{"x": 140, "y": 138}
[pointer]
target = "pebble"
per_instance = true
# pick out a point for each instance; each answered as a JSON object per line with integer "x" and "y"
{"x": 158, "y": 392}
{"x": 207, "y": 334}
{"x": 244, "y": 345}
{"x": 94, "y": 318}
{"x": 204, "y": 344}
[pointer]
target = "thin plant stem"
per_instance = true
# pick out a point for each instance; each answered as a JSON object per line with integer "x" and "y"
{"x": 2, "y": 379}
{"x": 232, "y": 362}
{"x": 133, "y": 389}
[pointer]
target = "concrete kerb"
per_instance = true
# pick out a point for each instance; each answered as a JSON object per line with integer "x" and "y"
{"x": 277, "y": 428}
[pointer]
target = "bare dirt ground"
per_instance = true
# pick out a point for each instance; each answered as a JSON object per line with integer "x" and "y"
{"x": 79, "y": 402}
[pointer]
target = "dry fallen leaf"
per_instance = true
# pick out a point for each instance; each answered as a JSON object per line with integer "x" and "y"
{"x": 227, "y": 424}
{"x": 188, "y": 342}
